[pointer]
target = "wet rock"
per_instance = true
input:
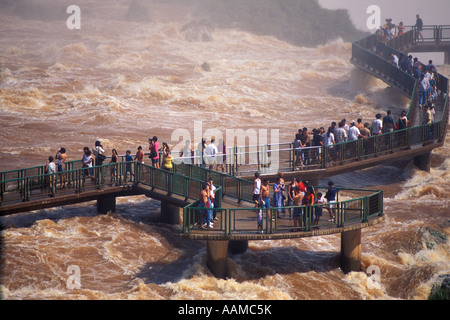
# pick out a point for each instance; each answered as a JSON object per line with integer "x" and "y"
{"x": 198, "y": 31}
{"x": 441, "y": 288}
{"x": 206, "y": 67}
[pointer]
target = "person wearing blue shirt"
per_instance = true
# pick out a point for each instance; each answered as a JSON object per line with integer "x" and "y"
{"x": 129, "y": 160}
{"x": 331, "y": 199}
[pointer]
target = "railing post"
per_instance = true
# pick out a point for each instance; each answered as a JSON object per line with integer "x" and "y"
{"x": 365, "y": 209}
{"x": 340, "y": 215}
{"x": 235, "y": 160}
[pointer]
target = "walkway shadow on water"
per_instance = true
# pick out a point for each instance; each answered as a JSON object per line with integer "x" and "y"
{"x": 251, "y": 265}
{"x": 146, "y": 212}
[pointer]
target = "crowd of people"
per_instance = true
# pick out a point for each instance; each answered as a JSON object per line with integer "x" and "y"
{"x": 389, "y": 30}
{"x": 294, "y": 197}
{"x": 91, "y": 159}
{"x": 308, "y": 143}
{"x": 426, "y": 74}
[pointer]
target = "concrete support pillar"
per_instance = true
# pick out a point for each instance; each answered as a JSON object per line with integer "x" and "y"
{"x": 105, "y": 205}
{"x": 217, "y": 254}
{"x": 238, "y": 247}
{"x": 423, "y": 162}
{"x": 351, "y": 251}
{"x": 447, "y": 57}
{"x": 171, "y": 214}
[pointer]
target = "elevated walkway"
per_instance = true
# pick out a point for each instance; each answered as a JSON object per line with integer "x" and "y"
{"x": 31, "y": 189}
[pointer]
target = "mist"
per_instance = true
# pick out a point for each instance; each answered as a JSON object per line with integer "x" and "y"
{"x": 299, "y": 22}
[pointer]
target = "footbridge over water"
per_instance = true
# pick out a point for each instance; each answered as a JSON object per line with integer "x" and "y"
{"x": 178, "y": 190}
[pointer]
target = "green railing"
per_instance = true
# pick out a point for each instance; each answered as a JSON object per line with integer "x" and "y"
{"x": 350, "y": 207}
{"x": 38, "y": 184}
{"x": 80, "y": 180}
{"x": 235, "y": 221}
{"x": 173, "y": 183}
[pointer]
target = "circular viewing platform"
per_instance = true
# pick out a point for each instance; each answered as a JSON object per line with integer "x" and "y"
{"x": 354, "y": 209}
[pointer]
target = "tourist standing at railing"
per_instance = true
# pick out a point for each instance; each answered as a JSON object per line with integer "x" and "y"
{"x": 328, "y": 142}
{"x": 359, "y": 124}
{"x": 212, "y": 197}
{"x": 265, "y": 196}
{"x": 211, "y": 152}
{"x": 154, "y": 151}
{"x": 388, "y": 122}
{"x": 186, "y": 153}
{"x": 419, "y": 26}
{"x": 430, "y": 77}
{"x": 432, "y": 69}
{"x": 61, "y": 156}
{"x": 410, "y": 65}
{"x": 424, "y": 85}
{"x": 394, "y": 60}
{"x": 290, "y": 194}
{"x": 353, "y": 132}
{"x": 339, "y": 133}
{"x": 128, "y": 169}
{"x": 86, "y": 162}
{"x": 400, "y": 28}
{"x": 308, "y": 200}
{"x": 204, "y": 220}
{"x": 297, "y": 200}
{"x": 114, "y": 163}
{"x": 403, "y": 121}
{"x": 259, "y": 218}
{"x": 221, "y": 160}
{"x": 377, "y": 125}
{"x": 331, "y": 199}
{"x": 278, "y": 189}
{"x": 305, "y": 143}
{"x": 417, "y": 68}
{"x": 98, "y": 153}
{"x": 167, "y": 163}
{"x": 99, "y": 157}
{"x": 345, "y": 125}
{"x": 256, "y": 189}
{"x": 320, "y": 202}
{"x": 139, "y": 157}
{"x": 200, "y": 153}
{"x": 318, "y": 141}
{"x": 365, "y": 131}
{"x": 297, "y": 151}
{"x": 50, "y": 169}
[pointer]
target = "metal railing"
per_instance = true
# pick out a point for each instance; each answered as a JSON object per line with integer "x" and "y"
{"x": 77, "y": 181}
{"x": 235, "y": 221}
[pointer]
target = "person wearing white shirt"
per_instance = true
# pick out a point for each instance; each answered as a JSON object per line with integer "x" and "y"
{"x": 394, "y": 59}
{"x": 210, "y": 153}
{"x": 98, "y": 152}
{"x": 377, "y": 125}
{"x": 51, "y": 170}
{"x": 353, "y": 132}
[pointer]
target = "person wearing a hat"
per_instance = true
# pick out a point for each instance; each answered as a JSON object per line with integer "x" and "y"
{"x": 353, "y": 132}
